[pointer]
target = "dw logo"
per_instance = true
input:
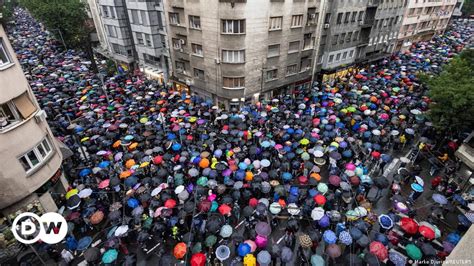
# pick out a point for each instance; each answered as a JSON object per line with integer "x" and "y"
{"x": 50, "y": 228}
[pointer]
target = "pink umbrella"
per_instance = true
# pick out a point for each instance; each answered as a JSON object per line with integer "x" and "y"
{"x": 104, "y": 183}
{"x": 384, "y": 116}
{"x": 334, "y": 180}
{"x": 252, "y": 244}
{"x": 261, "y": 241}
{"x": 350, "y": 167}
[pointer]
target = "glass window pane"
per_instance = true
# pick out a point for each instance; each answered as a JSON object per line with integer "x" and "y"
{"x": 24, "y": 162}
{"x": 46, "y": 145}
{"x": 41, "y": 150}
{"x": 33, "y": 159}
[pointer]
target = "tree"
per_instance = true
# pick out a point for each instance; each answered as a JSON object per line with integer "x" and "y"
{"x": 452, "y": 94}
{"x": 468, "y": 8}
{"x": 66, "y": 19}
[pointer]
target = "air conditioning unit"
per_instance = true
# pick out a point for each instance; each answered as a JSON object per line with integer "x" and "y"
{"x": 40, "y": 116}
{"x": 217, "y": 61}
{"x": 182, "y": 41}
{"x": 326, "y": 26}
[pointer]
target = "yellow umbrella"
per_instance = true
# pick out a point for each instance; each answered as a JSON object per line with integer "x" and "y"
{"x": 250, "y": 260}
{"x": 304, "y": 141}
{"x": 143, "y": 120}
{"x": 84, "y": 139}
{"x": 144, "y": 164}
{"x": 192, "y": 119}
{"x": 335, "y": 144}
{"x": 71, "y": 192}
{"x": 83, "y": 98}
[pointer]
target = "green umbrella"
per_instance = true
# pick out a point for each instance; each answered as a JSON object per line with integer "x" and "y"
{"x": 305, "y": 156}
{"x": 323, "y": 188}
{"x": 178, "y": 179}
{"x": 109, "y": 256}
{"x": 396, "y": 89}
{"x": 210, "y": 241}
{"x": 413, "y": 252}
{"x": 214, "y": 206}
{"x": 317, "y": 260}
{"x": 351, "y": 109}
{"x": 147, "y": 223}
{"x": 202, "y": 181}
{"x": 197, "y": 248}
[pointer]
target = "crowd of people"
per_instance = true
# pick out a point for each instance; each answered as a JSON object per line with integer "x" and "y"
{"x": 159, "y": 174}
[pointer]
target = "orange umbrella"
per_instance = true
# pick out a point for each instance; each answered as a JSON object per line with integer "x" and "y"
{"x": 125, "y": 174}
{"x": 117, "y": 144}
{"x": 97, "y": 217}
{"x": 248, "y": 176}
{"x": 180, "y": 250}
{"x": 316, "y": 176}
{"x": 132, "y": 146}
{"x": 130, "y": 163}
{"x": 204, "y": 163}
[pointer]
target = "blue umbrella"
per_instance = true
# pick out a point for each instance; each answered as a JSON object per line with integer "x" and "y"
{"x": 382, "y": 238}
{"x": 386, "y": 158}
{"x": 85, "y": 172}
{"x": 329, "y": 237}
{"x": 347, "y": 153}
{"x": 84, "y": 243}
{"x": 464, "y": 220}
{"x": 171, "y": 136}
{"x": 265, "y": 144}
{"x": 287, "y": 176}
{"x": 109, "y": 256}
{"x": 453, "y": 238}
{"x": 460, "y": 199}
{"x": 385, "y": 221}
{"x": 132, "y": 203}
{"x": 131, "y": 181}
{"x": 243, "y": 249}
{"x": 345, "y": 238}
{"x": 71, "y": 243}
{"x": 176, "y": 147}
{"x": 128, "y": 137}
{"x": 438, "y": 198}
{"x": 416, "y": 187}
{"x": 397, "y": 258}
{"x": 324, "y": 221}
{"x": 104, "y": 164}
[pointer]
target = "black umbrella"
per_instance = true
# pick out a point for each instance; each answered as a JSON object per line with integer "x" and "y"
{"x": 371, "y": 259}
{"x": 92, "y": 254}
{"x": 73, "y": 202}
{"x": 428, "y": 249}
{"x": 353, "y": 259}
{"x": 381, "y": 182}
{"x": 247, "y": 211}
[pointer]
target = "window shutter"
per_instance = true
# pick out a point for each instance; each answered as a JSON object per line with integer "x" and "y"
{"x": 24, "y": 105}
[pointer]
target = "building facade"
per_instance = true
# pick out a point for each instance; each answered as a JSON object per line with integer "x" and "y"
{"x": 358, "y": 31}
{"x": 232, "y": 52}
{"x": 30, "y": 167}
{"x": 134, "y": 34}
{"x": 423, "y": 19}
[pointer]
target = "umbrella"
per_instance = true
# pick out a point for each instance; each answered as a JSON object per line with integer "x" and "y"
{"x": 180, "y": 250}
{"x": 453, "y": 238}
{"x": 210, "y": 241}
{"x": 416, "y": 187}
{"x": 334, "y": 180}
{"x": 333, "y": 250}
{"x": 121, "y": 230}
{"x": 226, "y": 231}
{"x": 264, "y": 258}
{"x": 345, "y": 238}
{"x": 409, "y": 225}
{"x": 317, "y": 260}
{"x": 222, "y": 252}
{"x": 243, "y": 249}
{"x": 84, "y": 243}
{"x": 438, "y": 198}
{"x": 305, "y": 241}
{"x": 286, "y": 254}
{"x": 397, "y": 258}
{"x": 109, "y": 256}
{"x": 263, "y": 229}
{"x": 97, "y": 217}
{"x": 428, "y": 249}
{"x": 71, "y": 192}
{"x": 413, "y": 252}
{"x": 385, "y": 221}
{"x": 73, "y": 202}
{"x": 426, "y": 232}
{"x": 92, "y": 254}
{"x": 250, "y": 260}
{"x": 329, "y": 237}
{"x": 198, "y": 259}
{"x": 85, "y": 193}
{"x": 317, "y": 213}
{"x": 379, "y": 250}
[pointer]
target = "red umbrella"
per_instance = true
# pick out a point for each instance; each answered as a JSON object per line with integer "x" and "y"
{"x": 359, "y": 76}
{"x": 158, "y": 160}
{"x": 198, "y": 259}
{"x": 170, "y": 203}
{"x": 334, "y": 180}
{"x": 225, "y": 209}
{"x": 253, "y": 202}
{"x": 379, "y": 250}
{"x": 376, "y": 154}
{"x": 426, "y": 232}
{"x": 409, "y": 225}
{"x": 205, "y": 205}
{"x": 320, "y": 199}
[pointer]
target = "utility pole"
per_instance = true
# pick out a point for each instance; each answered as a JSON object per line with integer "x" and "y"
{"x": 104, "y": 89}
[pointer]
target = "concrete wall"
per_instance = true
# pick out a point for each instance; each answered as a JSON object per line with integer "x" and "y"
{"x": 255, "y": 42}
{"x": 16, "y": 140}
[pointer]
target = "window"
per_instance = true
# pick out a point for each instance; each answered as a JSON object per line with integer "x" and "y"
{"x": 174, "y": 18}
{"x": 134, "y": 17}
{"x": 312, "y": 17}
{"x": 197, "y": 49}
{"x": 354, "y": 16}
{"x": 199, "y": 74}
{"x": 351, "y": 53}
{"x": 36, "y": 156}
{"x": 112, "y": 31}
{"x": 305, "y": 64}
{"x": 355, "y": 36}
{"x": 338, "y": 57}
{"x": 233, "y": 26}
{"x": 139, "y": 36}
{"x": 234, "y": 82}
{"x": 344, "y": 55}
{"x": 112, "y": 11}
{"x": 308, "y": 41}
{"x": 347, "y": 16}
{"x": 180, "y": 67}
{"x": 296, "y": 21}
{"x": 195, "y": 22}
{"x": 361, "y": 15}
{"x": 4, "y": 58}
{"x": 343, "y": 37}
{"x": 339, "y": 18}
{"x": 294, "y": 47}
{"x": 233, "y": 56}
{"x": 376, "y": 38}
{"x": 327, "y": 18}
{"x": 143, "y": 16}
{"x": 8, "y": 114}
{"x": 331, "y": 58}
{"x": 349, "y": 37}
{"x": 291, "y": 69}
{"x": 273, "y": 50}
{"x": 148, "y": 40}
{"x": 271, "y": 75}
{"x": 20, "y": 107}
{"x": 177, "y": 43}
{"x": 334, "y": 39}
{"x": 275, "y": 23}
{"x": 105, "y": 11}
{"x": 381, "y": 39}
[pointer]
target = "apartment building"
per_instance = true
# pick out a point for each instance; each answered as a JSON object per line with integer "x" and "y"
{"x": 238, "y": 51}
{"x": 31, "y": 158}
{"x": 423, "y": 19}
{"x": 135, "y": 36}
{"x": 358, "y": 31}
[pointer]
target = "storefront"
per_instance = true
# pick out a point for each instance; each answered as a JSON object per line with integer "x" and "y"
{"x": 289, "y": 89}
{"x": 180, "y": 86}
{"x": 331, "y": 75}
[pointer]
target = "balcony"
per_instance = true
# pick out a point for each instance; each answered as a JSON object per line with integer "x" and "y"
{"x": 177, "y": 3}
{"x": 368, "y": 23}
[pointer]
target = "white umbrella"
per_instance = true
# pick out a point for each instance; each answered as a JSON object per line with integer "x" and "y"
{"x": 360, "y": 211}
{"x": 265, "y": 163}
{"x": 376, "y": 132}
{"x": 121, "y": 230}
{"x": 318, "y": 153}
{"x": 156, "y": 191}
{"x": 178, "y": 189}
{"x": 293, "y": 209}
{"x": 415, "y": 112}
{"x": 394, "y": 132}
{"x": 85, "y": 193}
{"x": 420, "y": 181}
{"x": 317, "y": 213}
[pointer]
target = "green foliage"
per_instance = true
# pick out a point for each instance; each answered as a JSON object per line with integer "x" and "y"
{"x": 468, "y": 8}
{"x": 66, "y": 16}
{"x": 7, "y": 11}
{"x": 452, "y": 93}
